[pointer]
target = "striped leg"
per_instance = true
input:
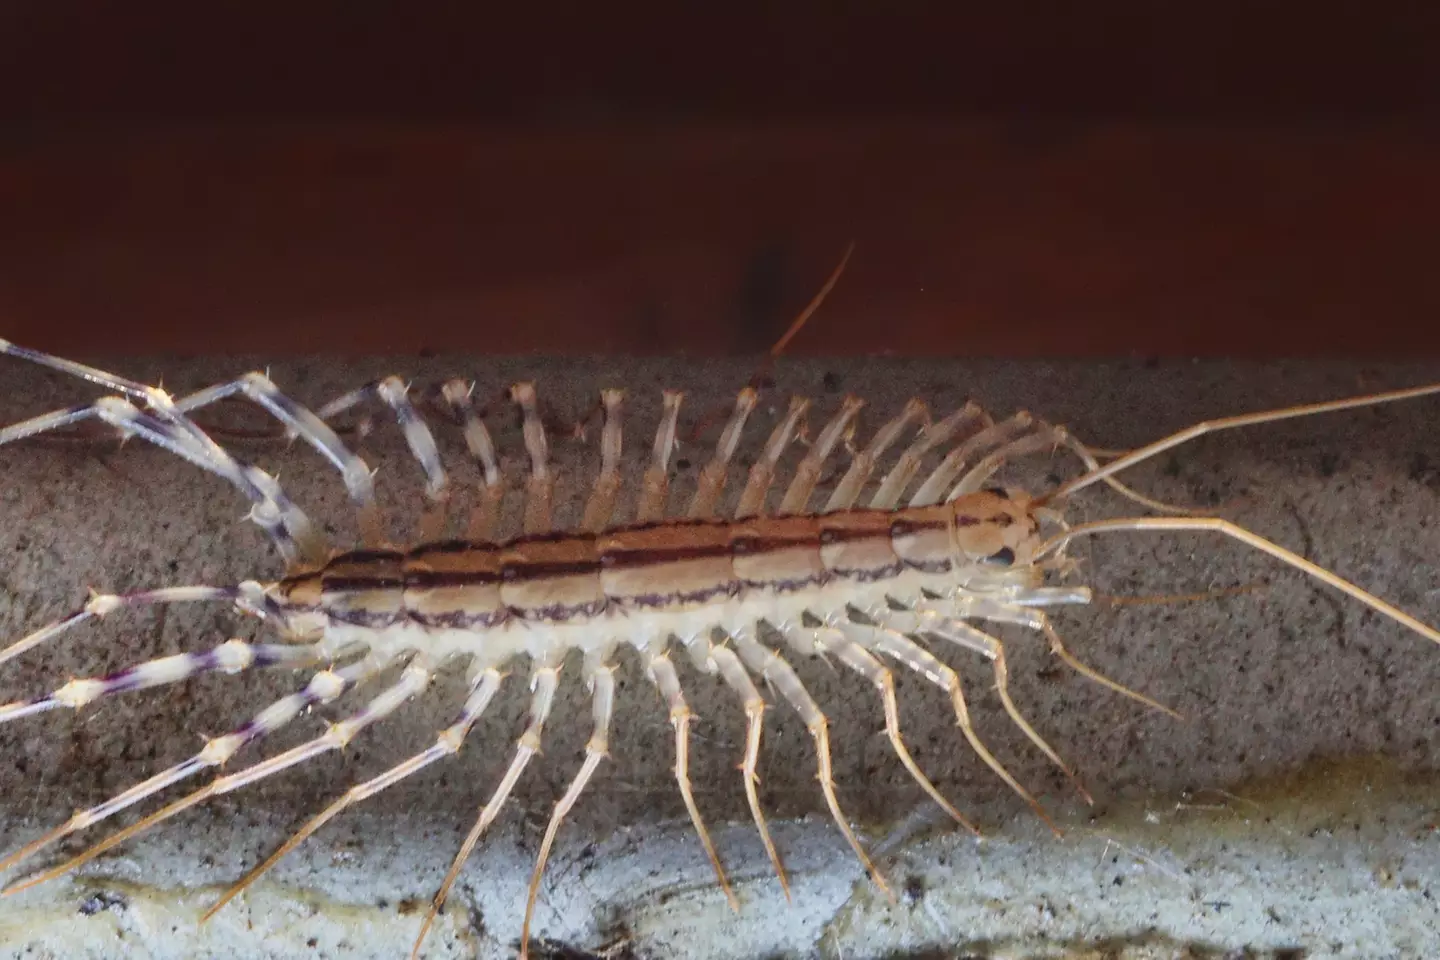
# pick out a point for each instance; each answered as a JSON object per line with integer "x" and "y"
{"x": 232, "y": 656}
{"x": 807, "y": 474}
{"x": 776, "y": 671}
{"x": 762, "y": 474}
{"x": 414, "y": 680}
{"x": 893, "y": 486}
{"x": 543, "y": 682}
{"x": 285, "y": 524}
{"x": 485, "y": 512}
{"x": 733, "y": 672}
{"x": 656, "y": 485}
{"x": 601, "y": 680}
{"x": 249, "y": 597}
{"x": 894, "y": 644}
{"x": 323, "y": 687}
{"x": 662, "y": 673}
{"x": 394, "y": 393}
{"x": 848, "y": 491}
{"x": 712, "y": 478}
{"x": 811, "y": 640}
{"x": 447, "y": 744}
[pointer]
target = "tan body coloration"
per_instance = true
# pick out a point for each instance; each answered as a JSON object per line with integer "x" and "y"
{"x": 867, "y": 583}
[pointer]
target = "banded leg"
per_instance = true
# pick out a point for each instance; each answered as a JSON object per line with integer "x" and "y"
{"x": 301, "y": 422}
{"x": 601, "y": 680}
{"x": 762, "y": 473}
{"x": 323, "y": 687}
{"x": 232, "y": 656}
{"x": 712, "y": 478}
{"x": 656, "y": 485}
{"x": 485, "y": 512}
{"x": 447, "y": 744}
{"x": 249, "y": 597}
{"x": 414, "y": 680}
{"x": 540, "y": 486}
{"x": 807, "y": 474}
{"x": 897, "y": 646}
{"x": 543, "y": 681}
{"x": 292, "y": 533}
{"x": 733, "y": 672}
{"x": 810, "y": 640}
{"x": 893, "y": 486}
{"x": 932, "y": 491}
{"x": 781, "y": 675}
{"x": 600, "y": 508}
{"x": 393, "y": 393}
{"x": 863, "y": 465}
{"x": 662, "y": 673}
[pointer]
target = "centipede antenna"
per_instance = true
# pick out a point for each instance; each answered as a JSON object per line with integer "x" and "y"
{"x": 1141, "y": 454}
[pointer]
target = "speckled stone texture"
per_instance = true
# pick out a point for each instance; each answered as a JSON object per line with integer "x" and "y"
{"x": 1273, "y": 679}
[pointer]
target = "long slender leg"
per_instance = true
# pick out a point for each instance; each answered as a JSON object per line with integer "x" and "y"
{"x": 932, "y": 491}
{"x": 733, "y": 672}
{"x": 323, "y": 687}
{"x": 249, "y": 597}
{"x": 897, "y": 646}
{"x": 999, "y": 611}
{"x": 1046, "y": 437}
{"x": 601, "y": 679}
{"x": 543, "y": 681}
{"x": 963, "y": 635}
{"x": 864, "y": 463}
{"x": 807, "y": 474}
{"x": 662, "y": 672}
{"x": 762, "y": 473}
{"x": 712, "y": 478}
{"x": 656, "y": 485}
{"x": 540, "y": 487}
{"x": 413, "y": 680}
{"x": 892, "y": 487}
{"x": 393, "y": 393}
{"x": 600, "y": 508}
{"x": 485, "y": 513}
{"x": 231, "y": 656}
{"x": 776, "y": 671}
{"x": 857, "y": 658}
{"x": 447, "y": 744}
{"x": 1236, "y": 532}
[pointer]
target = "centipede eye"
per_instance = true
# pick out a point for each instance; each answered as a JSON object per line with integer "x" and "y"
{"x": 1004, "y": 557}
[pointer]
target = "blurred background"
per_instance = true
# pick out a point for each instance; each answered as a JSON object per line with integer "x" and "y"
{"x": 1054, "y": 180}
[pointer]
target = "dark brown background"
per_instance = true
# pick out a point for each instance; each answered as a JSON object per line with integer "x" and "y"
{"x": 1242, "y": 179}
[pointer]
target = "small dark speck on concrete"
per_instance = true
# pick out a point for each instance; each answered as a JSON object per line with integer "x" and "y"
{"x": 1329, "y": 463}
{"x": 683, "y": 463}
{"x": 914, "y": 890}
{"x": 102, "y": 900}
{"x": 831, "y": 381}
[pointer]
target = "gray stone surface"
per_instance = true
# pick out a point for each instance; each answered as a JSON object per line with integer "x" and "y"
{"x": 1194, "y": 847}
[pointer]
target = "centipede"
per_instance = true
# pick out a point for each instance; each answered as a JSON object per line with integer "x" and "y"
{"x": 882, "y": 569}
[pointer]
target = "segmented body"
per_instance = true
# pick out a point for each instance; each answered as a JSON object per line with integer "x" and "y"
{"x": 863, "y": 580}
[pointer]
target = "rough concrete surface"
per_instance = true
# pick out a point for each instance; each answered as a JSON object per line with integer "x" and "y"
{"x": 1290, "y": 814}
